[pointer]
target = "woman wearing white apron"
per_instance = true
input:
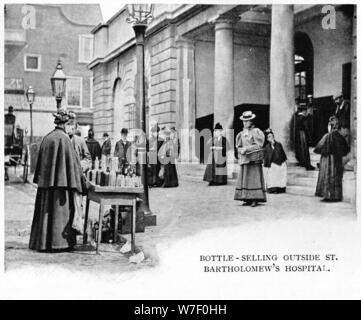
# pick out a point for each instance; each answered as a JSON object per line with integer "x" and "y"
{"x": 275, "y": 167}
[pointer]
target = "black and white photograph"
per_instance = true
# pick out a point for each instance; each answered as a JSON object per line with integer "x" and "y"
{"x": 180, "y": 151}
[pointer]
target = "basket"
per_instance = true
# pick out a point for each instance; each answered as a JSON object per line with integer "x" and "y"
{"x": 257, "y": 155}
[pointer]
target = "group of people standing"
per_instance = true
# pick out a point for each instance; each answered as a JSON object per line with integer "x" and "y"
{"x": 163, "y": 152}
{"x": 263, "y": 160}
{"x": 256, "y": 159}
{"x": 162, "y": 155}
{"x": 64, "y": 156}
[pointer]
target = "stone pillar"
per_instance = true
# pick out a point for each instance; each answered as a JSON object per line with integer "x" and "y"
{"x": 186, "y": 98}
{"x": 353, "y": 98}
{"x": 223, "y": 73}
{"x": 282, "y": 86}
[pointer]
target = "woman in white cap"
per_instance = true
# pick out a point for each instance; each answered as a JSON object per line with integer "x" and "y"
{"x": 275, "y": 167}
{"x": 249, "y": 142}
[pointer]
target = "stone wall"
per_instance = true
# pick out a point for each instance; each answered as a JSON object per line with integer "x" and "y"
{"x": 332, "y": 48}
{"x": 114, "y": 104}
{"x": 163, "y": 71}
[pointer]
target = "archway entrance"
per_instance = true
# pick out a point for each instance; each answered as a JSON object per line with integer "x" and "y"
{"x": 304, "y": 82}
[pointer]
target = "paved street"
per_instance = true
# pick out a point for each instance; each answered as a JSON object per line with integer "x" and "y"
{"x": 181, "y": 212}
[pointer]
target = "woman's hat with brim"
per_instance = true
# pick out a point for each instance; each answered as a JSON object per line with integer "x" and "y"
{"x": 247, "y": 115}
{"x": 218, "y": 126}
{"x": 63, "y": 116}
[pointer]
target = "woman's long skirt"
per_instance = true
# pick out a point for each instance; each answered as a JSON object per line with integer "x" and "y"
{"x": 170, "y": 176}
{"x": 329, "y": 183}
{"x": 153, "y": 175}
{"x": 250, "y": 183}
{"x": 276, "y": 178}
{"x": 301, "y": 149}
{"x": 52, "y": 223}
{"x": 216, "y": 174}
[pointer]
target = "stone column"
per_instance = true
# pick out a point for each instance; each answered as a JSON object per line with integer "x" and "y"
{"x": 282, "y": 86}
{"x": 353, "y": 98}
{"x": 223, "y": 73}
{"x": 186, "y": 98}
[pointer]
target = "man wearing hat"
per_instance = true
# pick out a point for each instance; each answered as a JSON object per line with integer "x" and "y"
{"x": 94, "y": 147}
{"x": 302, "y": 138}
{"x": 155, "y": 144}
{"x": 216, "y": 169}
{"x": 106, "y": 148}
{"x": 10, "y": 119}
{"x": 58, "y": 176}
{"x": 342, "y": 112}
{"x": 122, "y": 151}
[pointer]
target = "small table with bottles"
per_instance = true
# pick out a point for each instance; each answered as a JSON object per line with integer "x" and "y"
{"x": 117, "y": 191}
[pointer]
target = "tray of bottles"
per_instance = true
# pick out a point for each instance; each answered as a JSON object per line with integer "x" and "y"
{"x": 103, "y": 181}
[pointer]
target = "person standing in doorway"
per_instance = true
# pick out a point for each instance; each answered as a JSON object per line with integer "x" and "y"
{"x": 342, "y": 112}
{"x": 216, "y": 169}
{"x": 302, "y": 138}
{"x": 249, "y": 142}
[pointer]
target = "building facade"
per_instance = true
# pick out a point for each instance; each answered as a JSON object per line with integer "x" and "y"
{"x": 209, "y": 63}
{"x": 31, "y": 55}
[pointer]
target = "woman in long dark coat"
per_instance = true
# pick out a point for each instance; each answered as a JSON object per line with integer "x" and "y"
{"x": 58, "y": 175}
{"x": 168, "y": 153}
{"x": 332, "y": 148}
{"x": 249, "y": 142}
{"x": 216, "y": 169}
{"x": 302, "y": 138}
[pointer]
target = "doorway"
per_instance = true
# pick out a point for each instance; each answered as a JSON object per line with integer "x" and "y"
{"x": 303, "y": 60}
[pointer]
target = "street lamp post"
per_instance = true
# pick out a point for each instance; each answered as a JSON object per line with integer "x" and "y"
{"x": 139, "y": 17}
{"x": 58, "y": 81}
{"x": 30, "y": 97}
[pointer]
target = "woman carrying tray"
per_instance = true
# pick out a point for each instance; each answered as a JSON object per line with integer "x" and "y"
{"x": 249, "y": 142}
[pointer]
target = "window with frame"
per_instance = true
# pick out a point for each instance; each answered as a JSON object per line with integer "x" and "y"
{"x": 32, "y": 62}
{"x": 300, "y": 78}
{"x": 300, "y": 85}
{"x": 74, "y": 91}
{"x": 86, "y": 48}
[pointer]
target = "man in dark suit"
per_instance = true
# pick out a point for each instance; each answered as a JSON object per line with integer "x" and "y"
{"x": 122, "y": 151}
